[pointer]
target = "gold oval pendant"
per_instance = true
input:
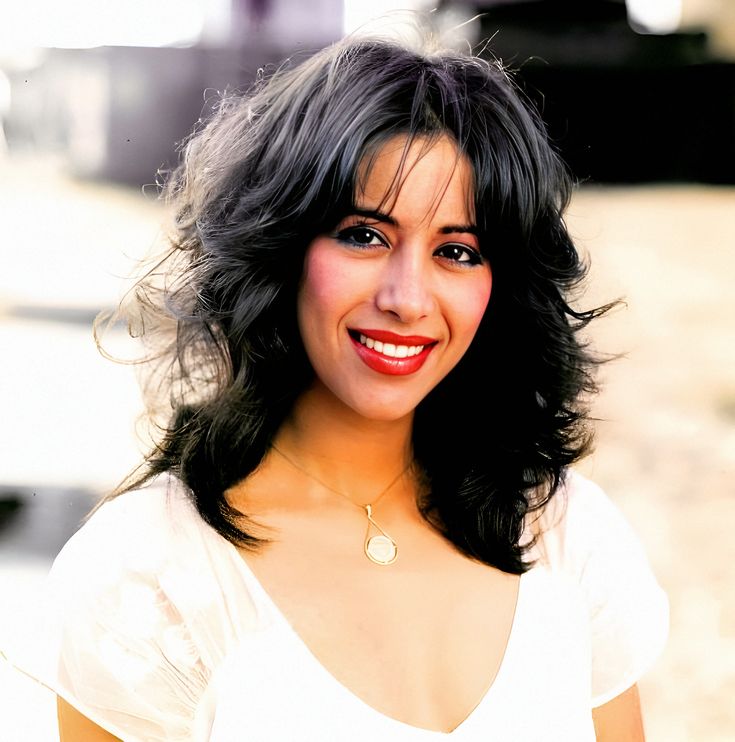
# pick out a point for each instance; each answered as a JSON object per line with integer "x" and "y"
{"x": 381, "y": 550}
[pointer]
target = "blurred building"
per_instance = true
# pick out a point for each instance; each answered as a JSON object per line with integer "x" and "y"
{"x": 624, "y": 101}
{"x": 117, "y": 111}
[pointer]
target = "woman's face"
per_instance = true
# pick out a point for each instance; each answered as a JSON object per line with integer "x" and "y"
{"x": 391, "y": 298}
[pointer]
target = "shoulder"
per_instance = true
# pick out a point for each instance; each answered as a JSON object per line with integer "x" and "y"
{"x": 585, "y": 537}
{"x": 137, "y": 531}
{"x": 135, "y": 515}
{"x": 148, "y": 601}
{"x": 579, "y": 519}
{"x": 149, "y": 546}
{"x": 582, "y": 533}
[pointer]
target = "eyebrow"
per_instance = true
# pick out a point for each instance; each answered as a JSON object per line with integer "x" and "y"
{"x": 381, "y": 216}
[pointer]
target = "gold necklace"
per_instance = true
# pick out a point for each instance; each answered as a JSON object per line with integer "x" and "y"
{"x": 380, "y": 549}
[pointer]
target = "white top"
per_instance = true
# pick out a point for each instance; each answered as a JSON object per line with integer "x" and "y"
{"x": 158, "y": 630}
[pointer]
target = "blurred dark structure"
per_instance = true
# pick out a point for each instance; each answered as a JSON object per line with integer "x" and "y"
{"x": 621, "y": 105}
{"x": 36, "y": 522}
{"x": 120, "y": 112}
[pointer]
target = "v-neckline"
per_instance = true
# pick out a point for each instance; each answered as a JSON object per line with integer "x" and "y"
{"x": 272, "y": 609}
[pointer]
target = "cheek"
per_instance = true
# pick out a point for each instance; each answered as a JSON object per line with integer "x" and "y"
{"x": 317, "y": 282}
{"x": 321, "y": 285}
{"x": 327, "y": 290}
{"x": 474, "y": 301}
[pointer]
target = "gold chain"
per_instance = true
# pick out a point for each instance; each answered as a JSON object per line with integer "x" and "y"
{"x": 381, "y": 549}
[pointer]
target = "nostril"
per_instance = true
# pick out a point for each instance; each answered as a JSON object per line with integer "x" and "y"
{"x": 405, "y": 297}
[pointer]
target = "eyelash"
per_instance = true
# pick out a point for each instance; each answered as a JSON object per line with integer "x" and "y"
{"x": 347, "y": 237}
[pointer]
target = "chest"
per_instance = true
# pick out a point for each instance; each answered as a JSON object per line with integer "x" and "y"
{"x": 276, "y": 686}
{"x": 419, "y": 641}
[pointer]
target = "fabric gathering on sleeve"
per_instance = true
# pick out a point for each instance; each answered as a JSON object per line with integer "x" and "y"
{"x": 127, "y": 662}
{"x": 134, "y": 621}
{"x": 628, "y": 610}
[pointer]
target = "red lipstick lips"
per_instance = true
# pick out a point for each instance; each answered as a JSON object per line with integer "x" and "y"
{"x": 376, "y": 359}
{"x": 390, "y": 337}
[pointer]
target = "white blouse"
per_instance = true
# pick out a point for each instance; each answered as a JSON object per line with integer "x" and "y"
{"x": 156, "y": 629}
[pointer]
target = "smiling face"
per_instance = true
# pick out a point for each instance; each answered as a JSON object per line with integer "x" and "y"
{"x": 391, "y": 298}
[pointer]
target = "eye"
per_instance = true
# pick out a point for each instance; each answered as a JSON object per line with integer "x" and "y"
{"x": 459, "y": 254}
{"x": 361, "y": 236}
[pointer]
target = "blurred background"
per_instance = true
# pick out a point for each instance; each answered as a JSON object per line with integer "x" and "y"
{"x": 639, "y": 96}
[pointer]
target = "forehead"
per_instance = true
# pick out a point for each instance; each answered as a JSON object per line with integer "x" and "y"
{"x": 417, "y": 173}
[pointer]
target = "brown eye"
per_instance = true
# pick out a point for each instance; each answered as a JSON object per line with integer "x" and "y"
{"x": 360, "y": 237}
{"x": 459, "y": 254}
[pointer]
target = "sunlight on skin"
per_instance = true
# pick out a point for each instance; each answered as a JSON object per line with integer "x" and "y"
{"x": 620, "y": 720}
{"x": 73, "y": 726}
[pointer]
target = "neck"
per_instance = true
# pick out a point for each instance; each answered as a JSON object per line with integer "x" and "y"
{"x": 343, "y": 449}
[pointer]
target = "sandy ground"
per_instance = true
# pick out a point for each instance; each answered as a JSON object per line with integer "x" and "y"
{"x": 666, "y": 440}
{"x": 666, "y": 436}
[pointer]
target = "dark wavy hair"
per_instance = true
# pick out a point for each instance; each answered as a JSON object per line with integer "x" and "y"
{"x": 277, "y": 166}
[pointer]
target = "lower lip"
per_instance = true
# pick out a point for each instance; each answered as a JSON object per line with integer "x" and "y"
{"x": 391, "y": 366}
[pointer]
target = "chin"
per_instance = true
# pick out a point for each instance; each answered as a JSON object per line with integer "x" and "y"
{"x": 385, "y": 415}
{"x": 382, "y": 410}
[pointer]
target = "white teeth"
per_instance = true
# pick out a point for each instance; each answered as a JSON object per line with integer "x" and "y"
{"x": 391, "y": 350}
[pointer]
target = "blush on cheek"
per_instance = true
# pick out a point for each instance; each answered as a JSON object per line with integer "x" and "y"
{"x": 478, "y": 299}
{"x": 321, "y": 277}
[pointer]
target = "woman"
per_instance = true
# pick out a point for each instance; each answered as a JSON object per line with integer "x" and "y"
{"x": 359, "y": 522}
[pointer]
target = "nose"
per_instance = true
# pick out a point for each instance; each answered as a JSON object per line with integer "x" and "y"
{"x": 405, "y": 289}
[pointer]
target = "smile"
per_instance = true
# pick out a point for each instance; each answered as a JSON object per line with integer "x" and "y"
{"x": 391, "y": 354}
{"x": 391, "y": 350}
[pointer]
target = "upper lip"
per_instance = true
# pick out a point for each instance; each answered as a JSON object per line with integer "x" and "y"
{"x": 385, "y": 336}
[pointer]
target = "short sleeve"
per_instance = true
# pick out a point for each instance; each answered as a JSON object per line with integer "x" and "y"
{"x": 117, "y": 646}
{"x": 628, "y": 610}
